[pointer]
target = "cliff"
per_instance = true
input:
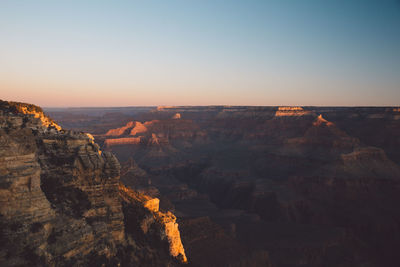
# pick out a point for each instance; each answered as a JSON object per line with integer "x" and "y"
{"x": 60, "y": 201}
{"x": 165, "y": 223}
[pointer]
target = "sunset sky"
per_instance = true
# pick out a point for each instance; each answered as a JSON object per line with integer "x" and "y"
{"x": 200, "y": 52}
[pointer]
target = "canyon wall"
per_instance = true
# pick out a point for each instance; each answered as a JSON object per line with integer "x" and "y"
{"x": 61, "y": 204}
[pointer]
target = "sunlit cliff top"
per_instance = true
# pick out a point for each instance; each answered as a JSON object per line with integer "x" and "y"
{"x": 24, "y": 108}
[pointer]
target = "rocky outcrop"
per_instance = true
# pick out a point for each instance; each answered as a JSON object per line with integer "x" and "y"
{"x": 132, "y": 128}
{"x": 163, "y": 224}
{"x": 60, "y": 201}
{"x": 23, "y": 108}
{"x": 176, "y": 116}
{"x": 291, "y": 111}
{"x": 138, "y": 129}
{"x": 153, "y": 140}
{"x": 122, "y": 141}
{"x": 120, "y": 131}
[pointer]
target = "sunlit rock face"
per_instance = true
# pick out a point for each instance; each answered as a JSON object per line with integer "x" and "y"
{"x": 122, "y": 141}
{"x": 155, "y": 222}
{"x": 132, "y": 128}
{"x": 291, "y": 111}
{"x": 28, "y": 109}
{"x": 138, "y": 129}
{"x": 176, "y": 116}
{"x": 122, "y": 130}
{"x": 60, "y": 201}
{"x": 321, "y": 121}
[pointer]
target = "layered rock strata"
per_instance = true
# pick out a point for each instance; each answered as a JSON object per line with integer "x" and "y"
{"x": 60, "y": 203}
{"x": 163, "y": 224}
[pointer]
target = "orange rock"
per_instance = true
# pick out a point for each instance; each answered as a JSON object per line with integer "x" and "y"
{"x": 291, "y": 111}
{"x": 321, "y": 121}
{"x": 120, "y": 131}
{"x": 166, "y": 222}
{"x": 139, "y": 128}
{"x": 176, "y": 116}
{"x": 122, "y": 141}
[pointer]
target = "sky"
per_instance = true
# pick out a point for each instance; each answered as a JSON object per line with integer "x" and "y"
{"x": 200, "y": 52}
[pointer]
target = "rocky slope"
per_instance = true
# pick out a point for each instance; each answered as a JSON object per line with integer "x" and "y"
{"x": 61, "y": 202}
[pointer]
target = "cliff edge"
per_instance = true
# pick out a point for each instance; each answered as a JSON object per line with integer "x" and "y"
{"x": 60, "y": 202}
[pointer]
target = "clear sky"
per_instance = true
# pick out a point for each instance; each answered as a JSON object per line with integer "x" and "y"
{"x": 200, "y": 52}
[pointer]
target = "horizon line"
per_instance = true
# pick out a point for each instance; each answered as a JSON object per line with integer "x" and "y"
{"x": 184, "y": 106}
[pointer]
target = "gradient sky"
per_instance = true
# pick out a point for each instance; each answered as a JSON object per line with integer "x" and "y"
{"x": 200, "y": 52}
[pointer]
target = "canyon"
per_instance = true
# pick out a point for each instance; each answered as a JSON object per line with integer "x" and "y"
{"x": 200, "y": 186}
{"x": 285, "y": 186}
